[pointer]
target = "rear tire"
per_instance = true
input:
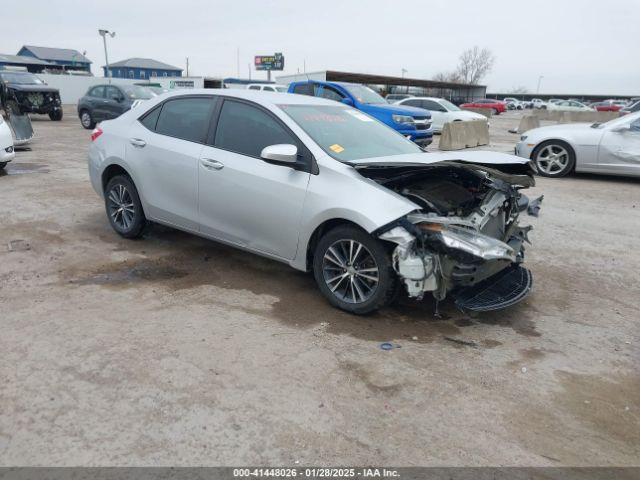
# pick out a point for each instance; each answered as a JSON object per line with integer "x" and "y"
{"x": 86, "y": 120}
{"x": 123, "y": 206}
{"x": 56, "y": 115}
{"x": 353, "y": 270}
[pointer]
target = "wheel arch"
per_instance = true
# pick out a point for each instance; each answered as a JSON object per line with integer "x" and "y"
{"x": 318, "y": 232}
{"x": 111, "y": 171}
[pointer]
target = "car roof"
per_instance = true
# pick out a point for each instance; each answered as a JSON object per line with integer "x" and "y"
{"x": 260, "y": 97}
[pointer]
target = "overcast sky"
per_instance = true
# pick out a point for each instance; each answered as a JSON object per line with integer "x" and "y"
{"x": 579, "y": 46}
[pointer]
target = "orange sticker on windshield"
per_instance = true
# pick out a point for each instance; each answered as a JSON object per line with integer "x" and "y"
{"x": 336, "y": 148}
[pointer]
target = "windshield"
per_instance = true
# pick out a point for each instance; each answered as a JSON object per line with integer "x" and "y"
{"x": 364, "y": 94}
{"x": 21, "y": 78}
{"x": 347, "y": 134}
{"x": 449, "y": 106}
{"x": 138, "y": 92}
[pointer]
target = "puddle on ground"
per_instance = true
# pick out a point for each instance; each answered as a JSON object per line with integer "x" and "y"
{"x": 13, "y": 168}
{"x": 195, "y": 261}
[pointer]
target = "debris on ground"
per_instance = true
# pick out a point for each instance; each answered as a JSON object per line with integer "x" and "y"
{"x": 389, "y": 346}
{"x": 18, "y": 246}
{"x": 466, "y": 343}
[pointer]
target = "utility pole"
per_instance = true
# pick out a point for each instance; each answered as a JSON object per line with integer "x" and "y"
{"x": 539, "y": 80}
{"x": 187, "y": 66}
{"x": 249, "y": 69}
{"x": 238, "y": 61}
{"x": 103, "y": 34}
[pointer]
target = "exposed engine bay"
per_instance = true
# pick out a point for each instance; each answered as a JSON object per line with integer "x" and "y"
{"x": 464, "y": 238}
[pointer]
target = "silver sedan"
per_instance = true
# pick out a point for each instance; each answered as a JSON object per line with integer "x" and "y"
{"x": 323, "y": 187}
{"x": 611, "y": 148}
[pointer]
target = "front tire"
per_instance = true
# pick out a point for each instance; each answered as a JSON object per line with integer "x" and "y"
{"x": 124, "y": 208}
{"x": 495, "y": 111}
{"x": 353, "y": 271}
{"x": 2, "y": 165}
{"x": 554, "y": 158}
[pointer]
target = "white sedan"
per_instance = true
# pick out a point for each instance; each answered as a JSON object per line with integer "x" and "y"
{"x": 568, "y": 106}
{"x": 610, "y": 148}
{"x": 442, "y": 111}
{"x": 6, "y": 144}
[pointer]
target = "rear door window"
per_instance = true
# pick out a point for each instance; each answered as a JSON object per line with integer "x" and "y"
{"x": 304, "y": 89}
{"x": 245, "y": 129}
{"x": 329, "y": 93}
{"x": 186, "y": 118}
{"x": 97, "y": 92}
{"x": 413, "y": 103}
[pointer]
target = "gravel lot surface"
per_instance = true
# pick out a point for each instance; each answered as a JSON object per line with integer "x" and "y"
{"x": 175, "y": 350}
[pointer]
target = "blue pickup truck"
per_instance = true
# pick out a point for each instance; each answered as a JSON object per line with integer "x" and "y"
{"x": 413, "y": 123}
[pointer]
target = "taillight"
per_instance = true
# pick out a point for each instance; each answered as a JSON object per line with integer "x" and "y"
{"x": 96, "y": 133}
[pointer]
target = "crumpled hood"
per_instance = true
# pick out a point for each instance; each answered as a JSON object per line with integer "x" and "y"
{"x": 477, "y": 156}
{"x": 20, "y": 87}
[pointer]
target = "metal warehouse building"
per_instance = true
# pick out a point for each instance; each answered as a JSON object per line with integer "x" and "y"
{"x": 141, "y": 69}
{"x": 455, "y": 92}
{"x": 64, "y": 58}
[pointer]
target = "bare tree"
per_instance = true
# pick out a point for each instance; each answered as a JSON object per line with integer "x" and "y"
{"x": 474, "y": 64}
{"x": 451, "y": 77}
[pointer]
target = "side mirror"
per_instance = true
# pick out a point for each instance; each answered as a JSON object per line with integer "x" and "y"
{"x": 622, "y": 129}
{"x": 282, "y": 154}
{"x": 347, "y": 101}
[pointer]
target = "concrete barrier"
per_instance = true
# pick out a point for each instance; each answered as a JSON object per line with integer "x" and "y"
{"x": 577, "y": 117}
{"x": 487, "y": 112}
{"x": 459, "y": 135}
{"x": 573, "y": 117}
{"x": 528, "y": 122}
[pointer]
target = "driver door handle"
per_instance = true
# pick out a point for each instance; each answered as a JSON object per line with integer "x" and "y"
{"x": 211, "y": 164}
{"x": 137, "y": 142}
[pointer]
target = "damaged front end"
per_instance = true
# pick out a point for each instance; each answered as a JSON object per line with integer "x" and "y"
{"x": 465, "y": 239}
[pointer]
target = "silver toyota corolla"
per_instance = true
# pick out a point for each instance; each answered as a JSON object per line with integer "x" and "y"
{"x": 322, "y": 187}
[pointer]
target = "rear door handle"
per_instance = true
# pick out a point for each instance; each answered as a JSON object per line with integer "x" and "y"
{"x": 211, "y": 164}
{"x": 137, "y": 142}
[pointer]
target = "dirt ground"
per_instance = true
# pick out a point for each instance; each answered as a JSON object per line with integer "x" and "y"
{"x": 174, "y": 350}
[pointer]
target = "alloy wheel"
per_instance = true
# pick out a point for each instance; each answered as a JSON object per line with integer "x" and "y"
{"x": 85, "y": 119}
{"x": 552, "y": 159}
{"x": 350, "y": 271}
{"x": 120, "y": 206}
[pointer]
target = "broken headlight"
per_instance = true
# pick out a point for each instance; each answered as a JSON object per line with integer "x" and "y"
{"x": 471, "y": 242}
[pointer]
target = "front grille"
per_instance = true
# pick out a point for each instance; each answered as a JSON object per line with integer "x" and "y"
{"x": 422, "y": 123}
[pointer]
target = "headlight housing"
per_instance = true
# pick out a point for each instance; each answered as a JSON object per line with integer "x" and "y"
{"x": 402, "y": 119}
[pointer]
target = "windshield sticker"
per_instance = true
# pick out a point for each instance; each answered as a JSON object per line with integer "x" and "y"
{"x": 337, "y": 148}
{"x": 359, "y": 116}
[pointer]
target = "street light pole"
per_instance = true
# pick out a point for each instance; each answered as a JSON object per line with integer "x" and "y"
{"x": 539, "y": 80}
{"x": 103, "y": 34}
